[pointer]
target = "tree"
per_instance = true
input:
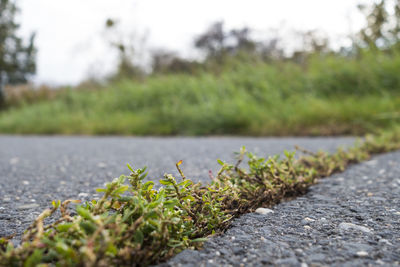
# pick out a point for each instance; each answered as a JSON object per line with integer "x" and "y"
{"x": 17, "y": 60}
{"x": 127, "y": 52}
{"x": 396, "y": 29}
{"x": 242, "y": 41}
{"x": 382, "y": 30}
{"x": 374, "y": 34}
{"x": 169, "y": 62}
{"x": 213, "y": 42}
{"x": 218, "y": 44}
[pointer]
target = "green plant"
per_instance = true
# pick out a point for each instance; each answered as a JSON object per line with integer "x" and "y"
{"x": 333, "y": 96}
{"x": 135, "y": 224}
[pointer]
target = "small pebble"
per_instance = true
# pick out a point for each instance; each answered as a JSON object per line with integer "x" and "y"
{"x": 309, "y": 219}
{"x": 384, "y": 241}
{"x": 264, "y": 211}
{"x": 298, "y": 250}
{"x": 14, "y": 161}
{"x": 25, "y": 182}
{"x": 101, "y": 165}
{"x": 362, "y": 253}
{"x": 83, "y": 194}
{"x": 349, "y": 226}
{"x": 380, "y": 262}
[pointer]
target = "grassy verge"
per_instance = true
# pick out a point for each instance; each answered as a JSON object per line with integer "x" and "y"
{"x": 134, "y": 224}
{"x": 330, "y": 96}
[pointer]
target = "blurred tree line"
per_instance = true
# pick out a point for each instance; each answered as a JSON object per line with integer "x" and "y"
{"x": 221, "y": 47}
{"x": 17, "y": 59}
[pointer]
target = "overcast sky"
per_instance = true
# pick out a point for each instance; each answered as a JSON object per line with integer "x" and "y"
{"x": 72, "y": 45}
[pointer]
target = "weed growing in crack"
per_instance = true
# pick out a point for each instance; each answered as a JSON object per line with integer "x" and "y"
{"x": 135, "y": 224}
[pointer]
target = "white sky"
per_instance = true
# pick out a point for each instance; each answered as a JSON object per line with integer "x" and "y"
{"x": 72, "y": 45}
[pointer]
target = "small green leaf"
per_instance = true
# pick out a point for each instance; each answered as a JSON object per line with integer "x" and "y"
{"x": 34, "y": 259}
{"x": 129, "y": 167}
{"x": 64, "y": 227}
{"x": 148, "y": 185}
{"x": 111, "y": 249}
{"x": 165, "y": 182}
{"x": 138, "y": 237}
{"x": 84, "y": 213}
{"x": 151, "y": 214}
{"x": 88, "y": 227}
{"x": 120, "y": 190}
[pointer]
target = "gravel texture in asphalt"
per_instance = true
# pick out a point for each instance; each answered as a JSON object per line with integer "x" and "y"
{"x": 36, "y": 170}
{"x": 349, "y": 219}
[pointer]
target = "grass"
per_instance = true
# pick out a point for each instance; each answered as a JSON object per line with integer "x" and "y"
{"x": 134, "y": 224}
{"x": 332, "y": 95}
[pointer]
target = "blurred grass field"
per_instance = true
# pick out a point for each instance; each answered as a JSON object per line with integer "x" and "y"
{"x": 331, "y": 95}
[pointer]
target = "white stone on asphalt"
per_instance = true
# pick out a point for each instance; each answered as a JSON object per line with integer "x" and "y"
{"x": 385, "y": 241}
{"x": 264, "y": 211}
{"x": 83, "y": 194}
{"x": 101, "y": 165}
{"x": 352, "y": 226}
{"x": 14, "y": 161}
{"x": 362, "y": 253}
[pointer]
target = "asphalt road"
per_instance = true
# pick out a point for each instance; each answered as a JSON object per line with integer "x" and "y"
{"x": 349, "y": 219}
{"x": 36, "y": 170}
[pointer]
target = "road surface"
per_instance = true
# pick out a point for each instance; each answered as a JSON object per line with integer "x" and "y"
{"x": 352, "y": 218}
{"x": 349, "y": 219}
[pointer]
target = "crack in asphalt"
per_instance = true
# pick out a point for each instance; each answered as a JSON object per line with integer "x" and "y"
{"x": 348, "y": 219}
